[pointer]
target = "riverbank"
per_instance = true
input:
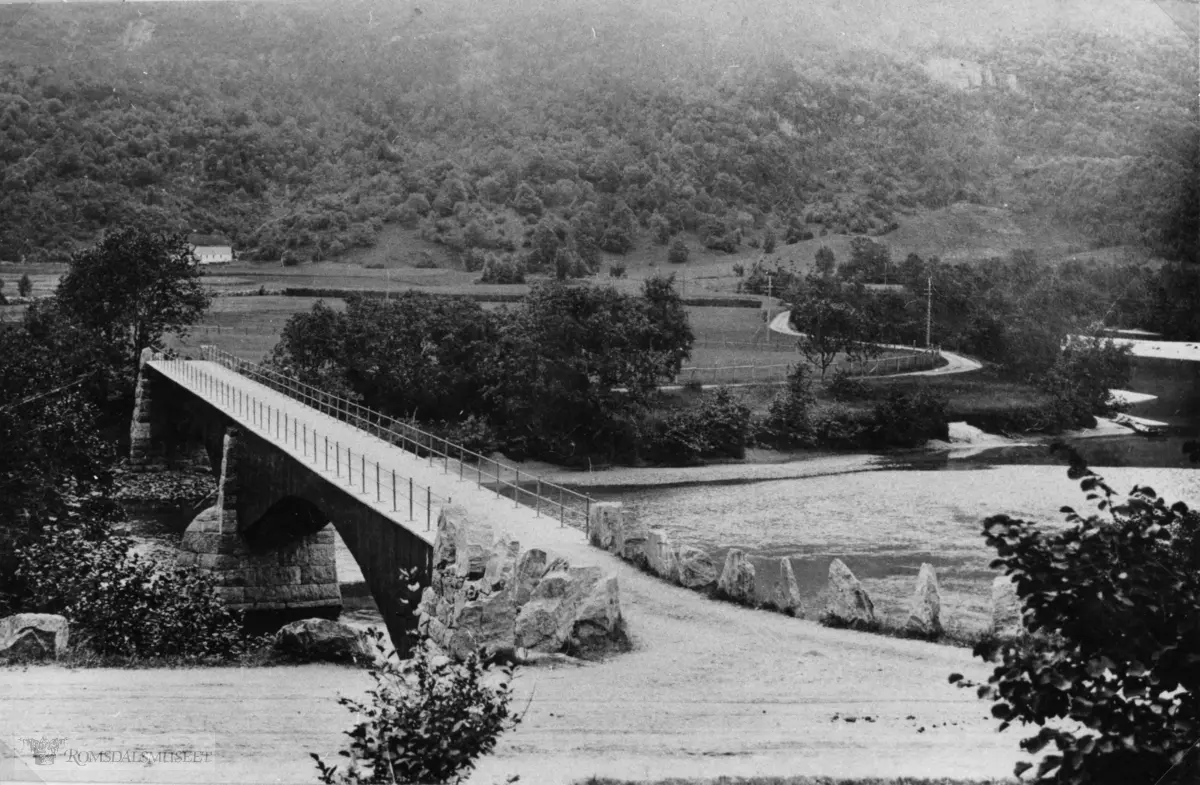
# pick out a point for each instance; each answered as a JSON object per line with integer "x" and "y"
{"x": 763, "y": 464}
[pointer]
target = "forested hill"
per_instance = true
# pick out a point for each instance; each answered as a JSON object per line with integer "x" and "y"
{"x": 301, "y": 128}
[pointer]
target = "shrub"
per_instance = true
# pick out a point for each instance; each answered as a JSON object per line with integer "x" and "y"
{"x": 616, "y": 270}
{"x": 719, "y": 427}
{"x": 788, "y": 421}
{"x": 474, "y": 434}
{"x": 120, "y": 604}
{"x": 474, "y": 259}
{"x": 660, "y": 227}
{"x": 844, "y": 387}
{"x": 425, "y": 261}
{"x": 835, "y": 425}
{"x": 909, "y": 419}
{"x": 769, "y": 241}
{"x": 290, "y": 258}
{"x": 1110, "y": 602}
{"x": 504, "y": 271}
{"x": 739, "y": 270}
{"x": 678, "y": 252}
{"x": 24, "y": 286}
{"x": 427, "y": 721}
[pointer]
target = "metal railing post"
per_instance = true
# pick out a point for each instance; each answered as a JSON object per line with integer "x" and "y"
{"x": 378, "y": 496}
{"x": 363, "y": 474}
{"x": 428, "y": 506}
{"x": 349, "y": 468}
{"x": 562, "y": 513}
{"x": 537, "y": 502}
{"x": 393, "y": 490}
{"x": 326, "y": 453}
{"x": 460, "y": 462}
{"x": 410, "y": 498}
{"x": 517, "y": 489}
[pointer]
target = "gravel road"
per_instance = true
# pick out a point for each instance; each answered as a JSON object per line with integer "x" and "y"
{"x": 710, "y": 689}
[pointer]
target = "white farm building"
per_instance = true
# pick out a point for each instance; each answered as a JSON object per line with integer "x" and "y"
{"x": 211, "y": 250}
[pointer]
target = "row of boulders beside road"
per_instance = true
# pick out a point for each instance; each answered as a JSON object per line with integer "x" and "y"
{"x": 847, "y": 603}
{"x": 487, "y": 592}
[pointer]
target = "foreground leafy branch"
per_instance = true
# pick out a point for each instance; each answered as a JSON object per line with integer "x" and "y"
{"x": 1112, "y": 654}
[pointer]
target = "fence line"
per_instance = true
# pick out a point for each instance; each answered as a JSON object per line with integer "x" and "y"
{"x": 881, "y": 366}
{"x": 282, "y": 427}
{"x": 504, "y": 480}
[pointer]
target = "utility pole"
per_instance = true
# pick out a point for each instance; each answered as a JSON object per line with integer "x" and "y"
{"x": 770, "y": 309}
{"x": 928, "y": 311}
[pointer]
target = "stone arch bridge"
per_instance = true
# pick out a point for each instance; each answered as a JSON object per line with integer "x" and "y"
{"x": 294, "y": 465}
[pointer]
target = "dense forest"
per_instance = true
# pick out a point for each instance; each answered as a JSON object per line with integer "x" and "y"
{"x": 300, "y": 129}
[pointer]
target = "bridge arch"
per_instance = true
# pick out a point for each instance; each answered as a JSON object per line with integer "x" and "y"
{"x": 269, "y": 540}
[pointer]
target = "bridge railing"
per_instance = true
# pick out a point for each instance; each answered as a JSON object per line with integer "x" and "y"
{"x": 361, "y": 475}
{"x": 524, "y": 488}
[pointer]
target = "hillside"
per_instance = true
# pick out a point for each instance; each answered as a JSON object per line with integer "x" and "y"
{"x": 301, "y": 129}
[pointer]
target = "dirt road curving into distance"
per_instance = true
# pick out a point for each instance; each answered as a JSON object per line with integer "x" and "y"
{"x": 955, "y": 363}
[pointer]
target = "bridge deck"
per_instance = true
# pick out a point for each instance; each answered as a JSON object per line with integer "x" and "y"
{"x": 255, "y": 406}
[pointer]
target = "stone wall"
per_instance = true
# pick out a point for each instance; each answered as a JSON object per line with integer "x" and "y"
{"x": 488, "y": 593}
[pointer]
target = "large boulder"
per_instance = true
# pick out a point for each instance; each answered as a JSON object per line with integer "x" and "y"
{"x": 697, "y": 570}
{"x": 848, "y": 602}
{"x": 472, "y": 543}
{"x": 33, "y": 636}
{"x": 501, "y": 564}
{"x": 737, "y": 579}
{"x": 630, "y": 544}
{"x": 786, "y": 596}
{"x": 443, "y": 542}
{"x": 530, "y": 567}
{"x": 604, "y": 525}
{"x": 925, "y": 608}
{"x": 312, "y": 640}
{"x": 490, "y": 620}
{"x": 660, "y": 555}
{"x": 1006, "y": 608}
{"x": 547, "y": 621}
{"x": 599, "y": 615}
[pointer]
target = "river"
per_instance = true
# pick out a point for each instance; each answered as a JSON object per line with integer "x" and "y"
{"x": 882, "y": 515}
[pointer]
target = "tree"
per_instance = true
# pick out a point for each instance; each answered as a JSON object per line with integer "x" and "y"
{"x": 572, "y": 369}
{"x": 831, "y": 323}
{"x": 133, "y": 287}
{"x": 1109, "y": 603}
{"x": 869, "y": 261}
{"x": 826, "y": 263}
{"x": 415, "y": 355}
{"x": 1087, "y": 368}
{"x": 669, "y": 337}
{"x": 678, "y": 252}
{"x": 24, "y": 286}
{"x": 769, "y": 241}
